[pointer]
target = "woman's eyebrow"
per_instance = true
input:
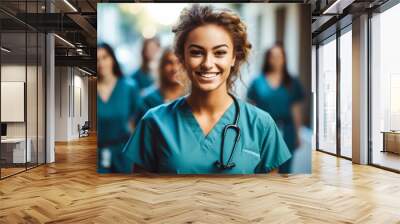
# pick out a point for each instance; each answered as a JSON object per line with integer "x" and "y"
{"x": 221, "y": 45}
{"x": 196, "y": 46}
{"x": 200, "y": 47}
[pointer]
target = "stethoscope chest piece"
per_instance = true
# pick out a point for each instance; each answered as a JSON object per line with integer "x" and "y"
{"x": 223, "y": 166}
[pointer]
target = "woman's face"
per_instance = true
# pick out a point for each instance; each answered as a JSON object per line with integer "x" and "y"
{"x": 104, "y": 62}
{"x": 208, "y": 57}
{"x": 277, "y": 59}
{"x": 170, "y": 71}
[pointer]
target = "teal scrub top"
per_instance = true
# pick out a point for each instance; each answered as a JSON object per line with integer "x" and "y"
{"x": 169, "y": 139}
{"x": 152, "y": 97}
{"x": 278, "y": 103}
{"x": 142, "y": 79}
{"x": 113, "y": 119}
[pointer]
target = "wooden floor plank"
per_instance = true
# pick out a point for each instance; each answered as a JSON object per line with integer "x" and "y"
{"x": 70, "y": 191}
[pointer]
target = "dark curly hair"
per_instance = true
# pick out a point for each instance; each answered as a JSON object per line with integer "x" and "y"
{"x": 116, "y": 69}
{"x": 196, "y": 16}
{"x": 267, "y": 67}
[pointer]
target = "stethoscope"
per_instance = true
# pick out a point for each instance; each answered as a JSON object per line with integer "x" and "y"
{"x": 220, "y": 163}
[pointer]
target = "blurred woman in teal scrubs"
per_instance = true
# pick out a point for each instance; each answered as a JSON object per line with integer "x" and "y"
{"x": 208, "y": 131}
{"x": 276, "y": 92}
{"x": 143, "y": 76}
{"x": 172, "y": 82}
{"x": 118, "y": 101}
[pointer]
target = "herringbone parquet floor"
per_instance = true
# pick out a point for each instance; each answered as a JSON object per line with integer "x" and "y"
{"x": 70, "y": 191}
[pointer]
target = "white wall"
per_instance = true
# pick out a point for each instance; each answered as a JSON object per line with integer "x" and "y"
{"x": 71, "y": 93}
{"x": 79, "y": 117}
{"x": 33, "y": 127}
{"x": 16, "y": 73}
{"x": 61, "y": 103}
{"x": 12, "y": 73}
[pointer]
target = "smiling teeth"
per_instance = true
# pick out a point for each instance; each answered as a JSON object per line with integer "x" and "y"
{"x": 208, "y": 75}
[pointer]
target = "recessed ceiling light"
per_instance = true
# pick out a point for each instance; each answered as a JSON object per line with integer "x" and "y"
{"x": 86, "y": 72}
{"x": 337, "y": 7}
{"x": 5, "y": 50}
{"x": 64, "y": 40}
{"x": 70, "y": 5}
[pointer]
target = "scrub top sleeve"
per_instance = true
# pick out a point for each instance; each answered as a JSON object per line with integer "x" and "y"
{"x": 274, "y": 151}
{"x": 298, "y": 91}
{"x": 139, "y": 149}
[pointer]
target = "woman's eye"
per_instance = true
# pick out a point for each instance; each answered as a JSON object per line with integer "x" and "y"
{"x": 196, "y": 53}
{"x": 220, "y": 53}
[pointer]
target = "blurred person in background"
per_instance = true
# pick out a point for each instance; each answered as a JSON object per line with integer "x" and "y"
{"x": 210, "y": 130}
{"x": 281, "y": 95}
{"x": 143, "y": 76}
{"x": 118, "y": 102}
{"x": 172, "y": 82}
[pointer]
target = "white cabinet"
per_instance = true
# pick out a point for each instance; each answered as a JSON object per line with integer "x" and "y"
{"x": 19, "y": 155}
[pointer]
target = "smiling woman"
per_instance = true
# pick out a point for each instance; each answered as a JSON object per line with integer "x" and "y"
{"x": 208, "y": 131}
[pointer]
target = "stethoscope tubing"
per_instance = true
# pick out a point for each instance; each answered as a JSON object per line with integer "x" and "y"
{"x": 235, "y": 126}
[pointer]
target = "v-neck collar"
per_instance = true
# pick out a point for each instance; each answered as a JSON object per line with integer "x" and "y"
{"x": 267, "y": 83}
{"x": 112, "y": 93}
{"x": 225, "y": 119}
